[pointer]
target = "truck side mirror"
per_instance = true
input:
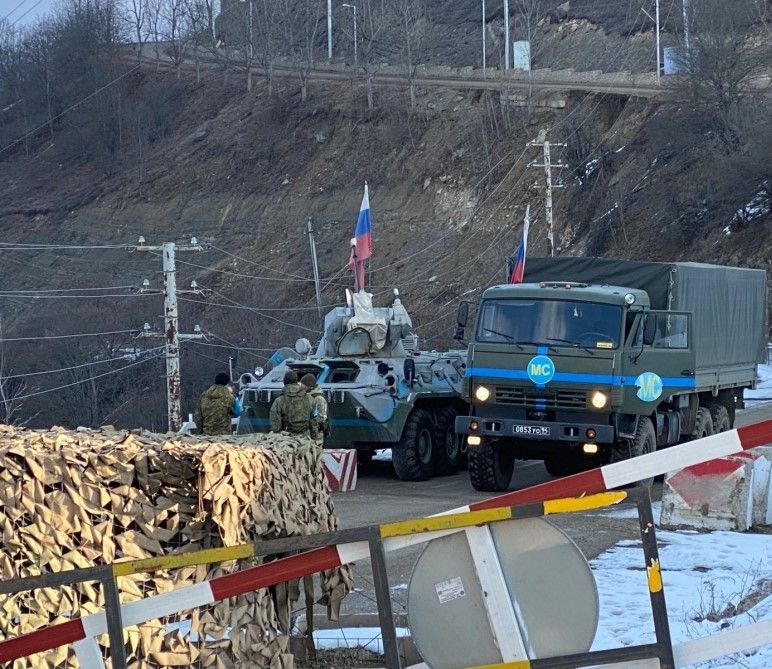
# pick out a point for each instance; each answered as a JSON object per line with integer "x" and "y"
{"x": 462, "y": 317}
{"x": 649, "y": 329}
{"x": 408, "y": 371}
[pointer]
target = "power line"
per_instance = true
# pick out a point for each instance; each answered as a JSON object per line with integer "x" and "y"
{"x": 70, "y": 108}
{"x": 22, "y": 246}
{"x": 68, "y": 336}
{"x": 7, "y": 16}
{"x": 89, "y": 380}
{"x": 24, "y": 292}
{"x": 85, "y": 364}
{"x": 25, "y": 13}
{"x": 73, "y": 297}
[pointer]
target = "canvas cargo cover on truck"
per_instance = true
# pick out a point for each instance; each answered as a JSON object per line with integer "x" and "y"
{"x": 729, "y": 303}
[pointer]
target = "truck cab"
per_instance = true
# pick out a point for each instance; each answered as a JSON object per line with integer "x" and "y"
{"x": 562, "y": 372}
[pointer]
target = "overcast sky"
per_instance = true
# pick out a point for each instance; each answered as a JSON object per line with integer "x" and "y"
{"x": 25, "y": 11}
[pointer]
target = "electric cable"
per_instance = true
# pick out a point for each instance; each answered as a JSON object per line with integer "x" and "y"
{"x": 85, "y": 364}
{"x": 89, "y": 380}
{"x": 68, "y": 336}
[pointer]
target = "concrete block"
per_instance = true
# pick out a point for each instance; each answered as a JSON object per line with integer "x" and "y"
{"x": 712, "y": 495}
{"x": 762, "y": 485}
{"x": 340, "y": 468}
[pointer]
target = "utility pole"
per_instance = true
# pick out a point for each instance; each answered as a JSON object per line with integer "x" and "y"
{"x": 483, "y": 37}
{"x": 171, "y": 333}
{"x": 329, "y": 29}
{"x": 686, "y": 25}
{"x": 541, "y": 140}
{"x": 655, "y": 18}
{"x": 315, "y": 265}
{"x": 506, "y": 34}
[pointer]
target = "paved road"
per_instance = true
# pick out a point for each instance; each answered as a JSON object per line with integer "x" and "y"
{"x": 510, "y": 83}
{"x": 380, "y": 497}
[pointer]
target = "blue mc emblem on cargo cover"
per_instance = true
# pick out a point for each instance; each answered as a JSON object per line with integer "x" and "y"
{"x": 541, "y": 370}
{"x": 649, "y": 386}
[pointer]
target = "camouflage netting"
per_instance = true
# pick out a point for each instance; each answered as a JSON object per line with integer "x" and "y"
{"x": 77, "y": 499}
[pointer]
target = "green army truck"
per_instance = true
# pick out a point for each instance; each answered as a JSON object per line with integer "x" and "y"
{"x": 593, "y": 360}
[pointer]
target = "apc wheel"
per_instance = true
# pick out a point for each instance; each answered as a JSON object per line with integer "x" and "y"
{"x": 447, "y": 452}
{"x": 720, "y": 417}
{"x": 703, "y": 424}
{"x": 490, "y": 467}
{"x": 412, "y": 456}
{"x": 645, "y": 441}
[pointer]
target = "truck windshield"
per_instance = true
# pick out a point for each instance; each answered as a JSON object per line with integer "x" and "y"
{"x": 550, "y": 322}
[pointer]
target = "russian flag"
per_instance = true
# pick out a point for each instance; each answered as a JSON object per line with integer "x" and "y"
{"x": 517, "y": 262}
{"x": 361, "y": 243}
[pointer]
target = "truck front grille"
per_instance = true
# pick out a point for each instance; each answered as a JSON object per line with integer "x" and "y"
{"x": 563, "y": 399}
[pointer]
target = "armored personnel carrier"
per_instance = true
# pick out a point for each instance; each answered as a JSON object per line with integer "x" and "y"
{"x": 382, "y": 392}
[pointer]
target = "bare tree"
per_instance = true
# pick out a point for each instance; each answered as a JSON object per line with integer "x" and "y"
{"x": 12, "y": 390}
{"x": 724, "y": 68}
{"x": 412, "y": 26}
{"x": 299, "y": 22}
{"x": 176, "y": 23}
{"x": 266, "y": 28}
{"x": 376, "y": 18}
{"x": 137, "y": 17}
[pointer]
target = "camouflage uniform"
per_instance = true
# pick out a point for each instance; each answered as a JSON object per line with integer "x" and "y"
{"x": 291, "y": 411}
{"x": 319, "y": 418}
{"x": 214, "y": 410}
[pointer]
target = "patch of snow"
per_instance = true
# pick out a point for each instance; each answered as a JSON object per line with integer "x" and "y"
{"x": 368, "y": 638}
{"x": 727, "y": 231}
{"x": 620, "y": 149}
{"x": 757, "y": 206}
{"x": 590, "y": 167}
{"x": 384, "y": 455}
{"x": 702, "y": 573}
{"x": 763, "y": 392}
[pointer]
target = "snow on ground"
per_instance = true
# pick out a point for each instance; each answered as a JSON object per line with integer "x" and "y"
{"x": 368, "y": 638}
{"x": 763, "y": 392}
{"x": 703, "y": 575}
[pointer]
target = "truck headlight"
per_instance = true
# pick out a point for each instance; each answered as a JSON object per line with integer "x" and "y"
{"x": 598, "y": 399}
{"x": 482, "y": 393}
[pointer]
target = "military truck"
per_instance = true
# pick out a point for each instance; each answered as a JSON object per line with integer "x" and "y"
{"x": 592, "y": 361}
{"x": 382, "y": 392}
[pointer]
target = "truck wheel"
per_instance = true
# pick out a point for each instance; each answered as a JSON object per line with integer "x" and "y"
{"x": 720, "y": 417}
{"x": 645, "y": 441}
{"x": 490, "y": 467}
{"x": 703, "y": 424}
{"x": 412, "y": 455}
{"x": 447, "y": 452}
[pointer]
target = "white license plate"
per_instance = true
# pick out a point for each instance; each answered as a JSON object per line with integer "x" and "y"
{"x": 533, "y": 431}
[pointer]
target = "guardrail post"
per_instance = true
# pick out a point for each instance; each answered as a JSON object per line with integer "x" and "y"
{"x": 654, "y": 574}
{"x": 114, "y": 620}
{"x": 383, "y": 597}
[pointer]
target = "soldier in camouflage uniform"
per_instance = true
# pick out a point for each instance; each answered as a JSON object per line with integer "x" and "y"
{"x": 319, "y": 422}
{"x": 216, "y": 406}
{"x": 291, "y": 411}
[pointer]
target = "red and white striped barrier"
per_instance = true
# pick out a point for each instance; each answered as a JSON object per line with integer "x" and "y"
{"x": 597, "y": 480}
{"x": 713, "y": 495}
{"x": 340, "y": 468}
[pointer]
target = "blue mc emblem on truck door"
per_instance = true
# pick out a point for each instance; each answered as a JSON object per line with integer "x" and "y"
{"x": 541, "y": 370}
{"x": 649, "y": 386}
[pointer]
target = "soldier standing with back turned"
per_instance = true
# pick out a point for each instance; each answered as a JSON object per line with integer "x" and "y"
{"x": 291, "y": 411}
{"x": 319, "y": 420}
